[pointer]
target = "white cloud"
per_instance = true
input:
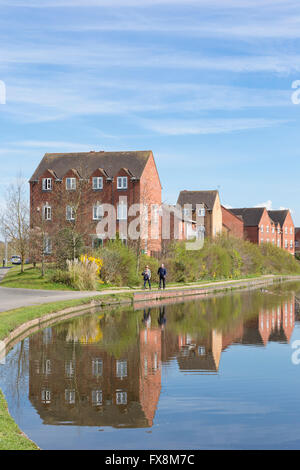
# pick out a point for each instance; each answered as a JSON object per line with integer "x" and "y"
{"x": 268, "y": 205}
{"x": 206, "y": 126}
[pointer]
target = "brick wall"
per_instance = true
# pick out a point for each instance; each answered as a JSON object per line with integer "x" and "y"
{"x": 233, "y": 225}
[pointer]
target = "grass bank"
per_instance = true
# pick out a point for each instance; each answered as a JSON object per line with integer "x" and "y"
{"x": 11, "y": 438}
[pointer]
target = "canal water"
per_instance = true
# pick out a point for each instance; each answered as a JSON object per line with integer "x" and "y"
{"x": 216, "y": 373}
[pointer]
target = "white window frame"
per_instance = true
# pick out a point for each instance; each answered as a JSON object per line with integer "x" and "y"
{"x": 46, "y": 396}
{"x": 122, "y": 211}
{"x": 201, "y": 212}
{"x": 70, "y": 215}
{"x": 97, "y": 397}
{"x": 121, "y": 397}
{"x": 47, "y": 245}
{"x": 122, "y": 182}
{"x": 97, "y": 367}
{"x": 97, "y": 183}
{"x": 47, "y": 184}
{"x": 268, "y": 228}
{"x": 121, "y": 368}
{"x": 262, "y": 229}
{"x": 47, "y": 212}
{"x": 98, "y": 211}
{"x": 70, "y": 184}
{"x": 70, "y": 396}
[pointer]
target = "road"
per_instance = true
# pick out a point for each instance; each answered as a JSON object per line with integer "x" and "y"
{"x": 11, "y": 298}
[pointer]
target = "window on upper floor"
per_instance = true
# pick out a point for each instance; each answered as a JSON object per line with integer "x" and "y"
{"x": 273, "y": 229}
{"x": 47, "y": 184}
{"x": 186, "y": 212}
{"x": 278, "y": 230}
{"x": 97, "y": 212}
{"x": 268, "y": 228}
{"x": 122, "y": 182}
{"x": 70, "y": 213}
{"x": 286, "y": 243}
{"x": 262, "y": 228}
{"x": 201, "y": 212}
{"x": 291, "y": 230}
{"x": 70, "y": 183}
{"x": 47, "y": 212}
{"x": 97, "y": 183}
{"x": 286, "y": 230}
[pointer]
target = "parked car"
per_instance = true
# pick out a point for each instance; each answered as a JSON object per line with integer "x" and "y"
{"x": 16, "y": 259}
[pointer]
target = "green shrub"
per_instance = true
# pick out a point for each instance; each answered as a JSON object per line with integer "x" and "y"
{"x": 119, "y": 264}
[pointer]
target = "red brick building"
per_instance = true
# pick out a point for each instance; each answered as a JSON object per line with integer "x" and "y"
{"x": 257, "y": 224}
{"x": 285, "y": 229}
{"x": 297, "y": 240}
{"x": 233, "y": 225}
{"x": 72, "y": 188}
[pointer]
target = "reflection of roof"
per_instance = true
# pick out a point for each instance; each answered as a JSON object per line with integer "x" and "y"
{"x": 198, "y": 197}
{"x": 251, "y": 216}
{"x": 84, "y": 414}
{"x": 252, "y": 336}
{"x": 88, "y": 162}
{"x": 278, "y": 335}
{"x": 197, "y": 363}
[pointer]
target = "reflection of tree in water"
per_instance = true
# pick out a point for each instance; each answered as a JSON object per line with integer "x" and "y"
{"x": 17, "y": 367}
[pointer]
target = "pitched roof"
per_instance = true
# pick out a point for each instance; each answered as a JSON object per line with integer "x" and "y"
{"x": 198, "y": 197}
{"x": 251, "y": 216}
{"x": 279, "y": 216}
{"x": 88, "y": 162}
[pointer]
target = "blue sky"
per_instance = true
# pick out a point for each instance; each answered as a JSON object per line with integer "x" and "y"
{"x": 205, "y": 84}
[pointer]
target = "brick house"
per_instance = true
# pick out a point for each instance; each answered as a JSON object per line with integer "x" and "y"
{"x": 285, "y": 229}
{"x": 207, "y": 201}
{"x": 233, "y": 225}
{"x": 69, "y": 189}
{"x": 297, "y": 240}
{"x": 258, "y": 226}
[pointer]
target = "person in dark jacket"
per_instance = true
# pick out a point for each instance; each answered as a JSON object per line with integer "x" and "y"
{"x": 147, "y": 276}
{"x": 162, "y": 273}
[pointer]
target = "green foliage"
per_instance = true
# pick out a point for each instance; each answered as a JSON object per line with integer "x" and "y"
{"x": 67, "y": 245}
{"x": 61, "y": 277}
{"x": 119, "y": 264}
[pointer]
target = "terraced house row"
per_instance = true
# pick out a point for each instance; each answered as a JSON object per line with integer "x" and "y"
{"x": 79, "y": 190}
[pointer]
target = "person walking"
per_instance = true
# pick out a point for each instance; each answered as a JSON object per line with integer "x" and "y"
{"x": 162, "y": 273}
{"x": 147, "y": 277}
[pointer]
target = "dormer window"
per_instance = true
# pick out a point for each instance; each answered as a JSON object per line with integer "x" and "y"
{"x": 97, "y": 183}
{"x": 47, "y": 184}
{"x": 70, "y": 183}
{"x": 201, "y": 212}
{"x": 122, "y": 182}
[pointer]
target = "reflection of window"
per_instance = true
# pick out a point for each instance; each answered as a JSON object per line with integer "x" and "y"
{"x": 70, "y": 396}
{"x": 155, "y": 362}
{"x": 145, "y": 366}
{"x": 97, "y": 367}
{"x": 121, "y": 369}
{"x": 201, "y": 351}
{"x": 69, "y": 368}
{"x": 97, "y": 397}
{"x": 46, "y": 396}
{"x": 47, "y": 335}
{"x": 47, "y": 367}
{"x": 121, "y": 397}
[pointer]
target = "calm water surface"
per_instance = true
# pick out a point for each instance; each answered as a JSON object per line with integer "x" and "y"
{"x": 216, "y": 373}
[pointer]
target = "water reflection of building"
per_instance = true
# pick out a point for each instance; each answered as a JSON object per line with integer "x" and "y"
{"x": 76, "y": 380}
{"x": 82, "y": 384}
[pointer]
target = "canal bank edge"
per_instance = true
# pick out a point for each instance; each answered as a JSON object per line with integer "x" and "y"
{"x": 10, "y": 434}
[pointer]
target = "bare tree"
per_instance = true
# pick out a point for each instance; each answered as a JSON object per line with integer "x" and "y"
{"x": 14, "y": 218}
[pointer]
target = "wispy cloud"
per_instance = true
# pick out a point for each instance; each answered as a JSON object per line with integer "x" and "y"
{"x": 207, "y": 126}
